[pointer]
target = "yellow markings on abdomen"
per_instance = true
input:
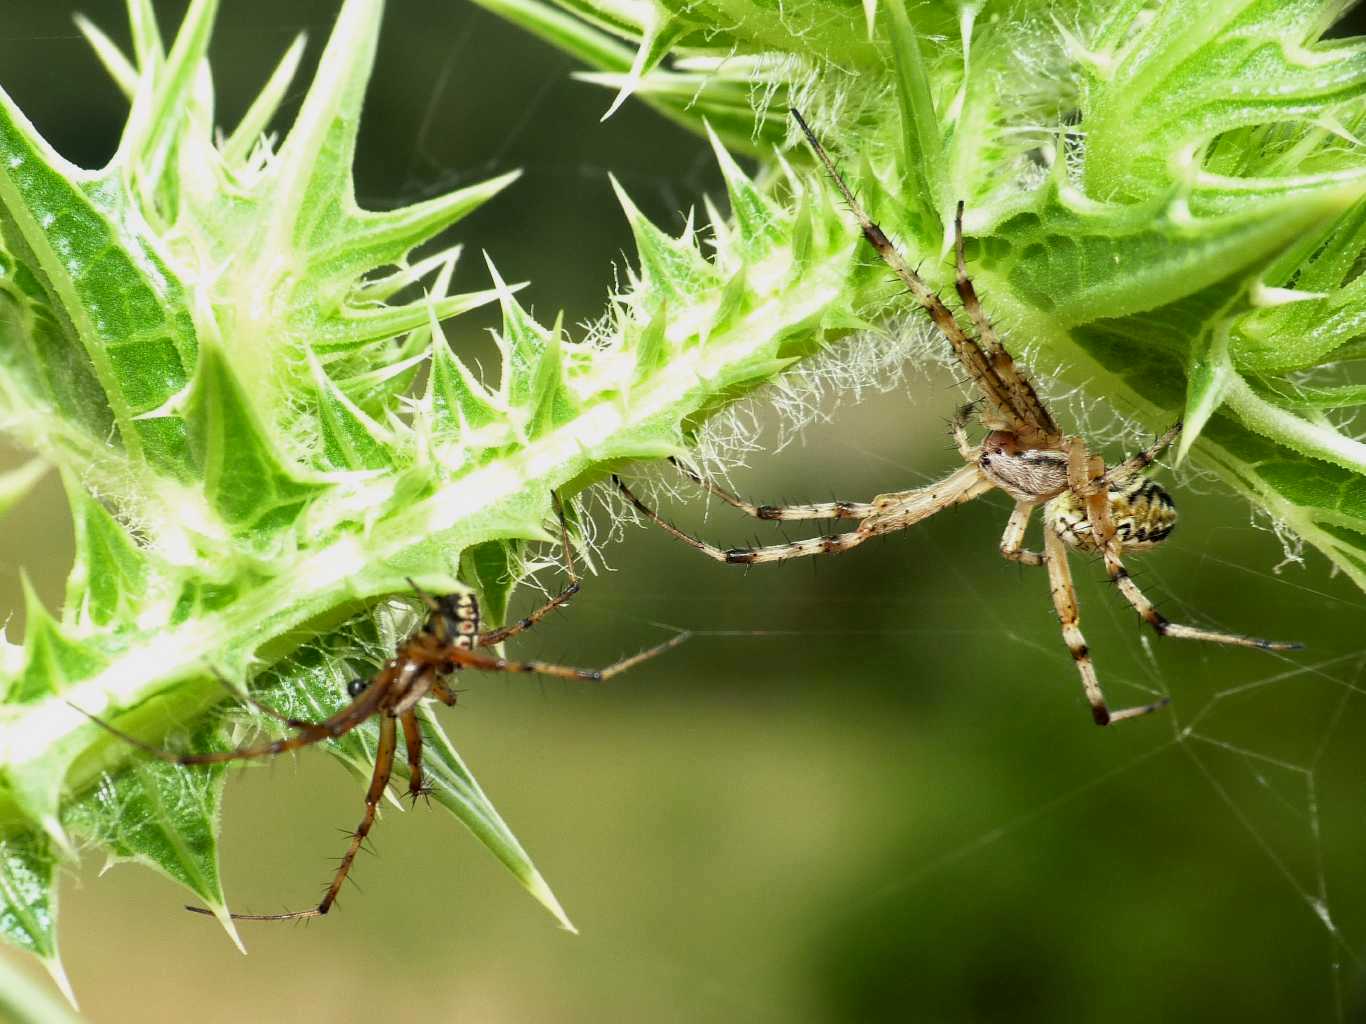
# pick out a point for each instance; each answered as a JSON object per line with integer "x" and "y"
{"x": 1141, "y": 510}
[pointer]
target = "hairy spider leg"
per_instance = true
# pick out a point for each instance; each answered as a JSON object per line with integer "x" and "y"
{"x": 959, "y": 426}
{"x": 821, "y": 510}
{"x": 488, "y": 663}
{"x": 412, "y": 744}
{"x": 1023, "y": 395}
{"x": 1019, "y": 418}
{"x": 891, "y": 512}
{"x": 1065, "y": 603}
{"x": 1144, "y": 458}
{"x": 379, "y": 782}
{"x": 497, "y": 636}
{"x": 1012, "y": 541}
{"x": 338, "y": 725}
{"x": 1119, "y": 576}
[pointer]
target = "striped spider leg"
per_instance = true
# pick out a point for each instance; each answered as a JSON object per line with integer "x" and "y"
{"x": 1086, "y": 506}
{"x": 447, "y": 641}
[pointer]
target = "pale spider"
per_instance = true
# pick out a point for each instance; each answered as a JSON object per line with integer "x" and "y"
{"x": 1085, "y": 506}
{"x": 442, "y": 645}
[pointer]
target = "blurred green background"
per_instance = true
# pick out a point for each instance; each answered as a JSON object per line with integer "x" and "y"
{"x": 868, "y": 789}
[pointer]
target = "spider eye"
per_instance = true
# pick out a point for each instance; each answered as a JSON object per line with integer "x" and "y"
{"x": 357, "y": 686}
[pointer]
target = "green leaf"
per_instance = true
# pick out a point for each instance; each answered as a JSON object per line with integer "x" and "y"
{"x": 111, "y": 575}
{"x": 245, "y": 479}
{"x": 455, "y": 788}
{"x": 213, "y": 343}
{"x": 161, "y": 815}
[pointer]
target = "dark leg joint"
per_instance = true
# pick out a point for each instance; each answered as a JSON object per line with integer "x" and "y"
{"x": 877, "y": 237}
{"x": 1100, "y": 715}
{"x": 739, "y": 556}
{"x": 768, "y": 512}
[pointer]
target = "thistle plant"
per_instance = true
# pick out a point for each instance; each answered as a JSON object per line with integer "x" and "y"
{"x": 242, "y": 380}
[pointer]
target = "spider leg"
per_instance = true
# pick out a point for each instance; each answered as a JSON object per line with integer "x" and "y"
{"x": 497, "y": 636}
{"x": 1022, "y": 392}
{"x": 892, "y": 512}
{"x": 1012, "y": 541}
{"x": 961, "y": 418}
{"x": 1065, "y": 603}
{"x": 822, "y": 510}
{"x": 384, "y": 766}
{"x": 472, "y": 659}
{"x": 1003, "y": 392}
{"x": 1086, "y": 479}
{"x": 246, "y": 698}
{"x": 750, "y": 556}
{"x": 1120, "y": 577}
{"x": 412, "y": 743}
{"x": 443, "y": 693}
{"x": 361, "y": 708}
{"x": 1141, "y": 460}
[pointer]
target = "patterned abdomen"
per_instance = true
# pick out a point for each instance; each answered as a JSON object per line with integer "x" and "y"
{"x": 1143, "y": 514}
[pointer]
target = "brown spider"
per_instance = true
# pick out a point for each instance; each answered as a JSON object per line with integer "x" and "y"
{"x": 1085, "y": 506}
{"x": 444, "y": 644}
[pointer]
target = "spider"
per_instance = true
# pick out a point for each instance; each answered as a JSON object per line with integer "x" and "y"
{"x": 443, "y": 644}
{"x": 1085, "y": 505}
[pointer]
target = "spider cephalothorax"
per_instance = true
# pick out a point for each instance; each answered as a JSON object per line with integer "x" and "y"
{"x": 1086, "y": 505}
{"x": 1026, "y": 474}
{"x": 1141, "y": 512}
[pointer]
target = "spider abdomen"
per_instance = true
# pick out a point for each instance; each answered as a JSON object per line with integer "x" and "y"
{"x": 1142, "y": 511}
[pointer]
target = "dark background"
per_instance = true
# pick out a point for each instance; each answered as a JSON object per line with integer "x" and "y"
{"x": 867, "y": 789}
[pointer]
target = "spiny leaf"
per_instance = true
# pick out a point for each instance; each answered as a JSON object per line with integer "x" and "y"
{"x": 652, "y": 346}
{"x": 350, "y": 438}
{"x": 160, "y": 815}
{"x": 922, "y": 143}
{"x": 552, "y": 401}
{"x": 52, "y": 658}
{"x": 459, "y": 404}
{"x": 110, "y": 576}
{"x": 372, "y": 239}
{"x": 757, "y": 219}
{"x": 456, "y": 788}
{"x": 245, "y": 480}
{"x": 673, "y": 268}
{"x": 522, "y": 342}
{"x": 28, "y": 893}
{"x": 264, "y": 107}
{"x": 659, "y": 35}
